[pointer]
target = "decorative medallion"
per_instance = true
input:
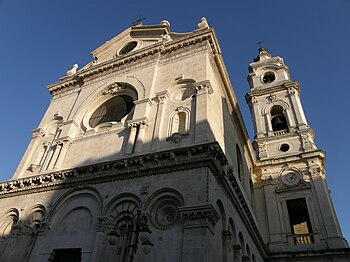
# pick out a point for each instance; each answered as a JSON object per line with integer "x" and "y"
{"x": 165, "y": 214}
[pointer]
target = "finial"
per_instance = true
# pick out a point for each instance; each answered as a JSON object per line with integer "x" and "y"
{"x": 203, "y": 23}
{"x": 166, "y": 23}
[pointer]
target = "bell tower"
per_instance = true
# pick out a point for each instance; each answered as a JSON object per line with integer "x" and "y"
{"x": 279, "y": 120}
{"x": 289, "y": 176}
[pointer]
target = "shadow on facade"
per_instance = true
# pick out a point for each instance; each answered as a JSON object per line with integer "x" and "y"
{"x": 183, "y": 190}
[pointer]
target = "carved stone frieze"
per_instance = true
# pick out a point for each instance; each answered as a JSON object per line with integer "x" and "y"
{"x": 138, "y": 122}
{"x": 159, "y": 162}
{"x": 199, "y": 216}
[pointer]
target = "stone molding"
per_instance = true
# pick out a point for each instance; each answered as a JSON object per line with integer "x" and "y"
{"x": 162, "y": 96}
{"x": 199, "y": 216}
{"x": 203, "y": 87}
{"x": 161, "y": 48}
{"x": 156, "y": 163}
{"x": 207, "y": 155}
{"x": 138, "y": 122}
{"x": 259, "y": 92}
{"x": 229, "y": 173}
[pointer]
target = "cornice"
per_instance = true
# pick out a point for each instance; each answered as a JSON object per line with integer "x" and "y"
{"x": 160, "y": 48}
{"x": 143, "y": 165}
{"x": 292, "y": 158}
{"x": 205, "y": 155}
{"x": 272, "y": 89}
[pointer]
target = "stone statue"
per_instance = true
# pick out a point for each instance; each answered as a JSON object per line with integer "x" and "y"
{"x": 203, "y": 23}
{"x": 73, "y": 70}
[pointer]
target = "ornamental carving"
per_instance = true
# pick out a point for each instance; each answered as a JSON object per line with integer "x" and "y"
{"x": 165, "y": 213}
{"x": 112, "y": 89}
{"x": 254, "y": 100}
{"x": 227, "y": 238}
{"x": 38, "y": 133}
{"x": 197, "y": 216}
{"x": 308, "y": 142}
{"x": 103, "y": 224}
{"x": 262, "y": 150}
{"x": 203, "y": 87}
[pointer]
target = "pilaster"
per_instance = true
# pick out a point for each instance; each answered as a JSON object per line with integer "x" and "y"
{"x": 199, "y": 222}
{"x": 162, "y": 98}
{"x": 204, "y": 89}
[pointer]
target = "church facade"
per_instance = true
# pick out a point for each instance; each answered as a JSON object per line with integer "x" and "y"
{"x": 143, "y": 155}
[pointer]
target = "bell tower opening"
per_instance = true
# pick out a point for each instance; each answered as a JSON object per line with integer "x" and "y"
{"x": 300, "y": 221}
{"x": 278, "y": 119}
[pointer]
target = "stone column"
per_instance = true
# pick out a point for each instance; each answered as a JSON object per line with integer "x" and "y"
{"x": 323, "y": 201}
{"x": 131, "y": 141}
{"x": 268, "y": 123}
{"x": 47, "y": 164}
{"x": 259, "y": 128}
{"x": 103, "y": 227}
{"x": 162, "y": 97}
{"x": 29, "y": 158}
{"x": 198, "y": 235}
{"x": 226, "y": 243}
{"x": 290, "y": 120}
{"x": 47, "y": 156}
{"x": 298, "y": 108}
{"x": 236, "y": 253}
{"x": 64, "y": 145}
{"x": 204, "y": 89}
{"x": 56, "y": 149}
{"x": 273, "y": 212}
{"x": 140, "y": 137}
{"x": 35, "y": 150}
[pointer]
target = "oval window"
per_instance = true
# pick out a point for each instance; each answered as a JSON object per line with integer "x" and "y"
{"x": 113, "y": 110}
{"x": 128, "y": 48}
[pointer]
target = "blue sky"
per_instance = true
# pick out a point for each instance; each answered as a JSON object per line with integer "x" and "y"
{"x": 40, "y": 40}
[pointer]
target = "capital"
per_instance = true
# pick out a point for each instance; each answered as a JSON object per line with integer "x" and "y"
{"x": 203, "y": 87}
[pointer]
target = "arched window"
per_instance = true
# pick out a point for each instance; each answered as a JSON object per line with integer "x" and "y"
{"x": 8, "y": 222}
{"x": 278, "y": 119}
{"x": 179, "y": 124}
{"x": 113, "y": 110}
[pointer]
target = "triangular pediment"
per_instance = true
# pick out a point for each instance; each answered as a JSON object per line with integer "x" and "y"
{"x": 130, "y": 40}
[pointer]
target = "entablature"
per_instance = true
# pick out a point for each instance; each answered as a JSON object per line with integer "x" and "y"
{"x": 283, "y": 86}
{"x": 302, "y": 157}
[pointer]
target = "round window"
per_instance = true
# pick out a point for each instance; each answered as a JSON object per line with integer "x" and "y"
{"x": 128, "y": 48}
{"x": 113, "y": 110}
{"x": 269, "y": 77}
{"x": 284, "y": 147}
